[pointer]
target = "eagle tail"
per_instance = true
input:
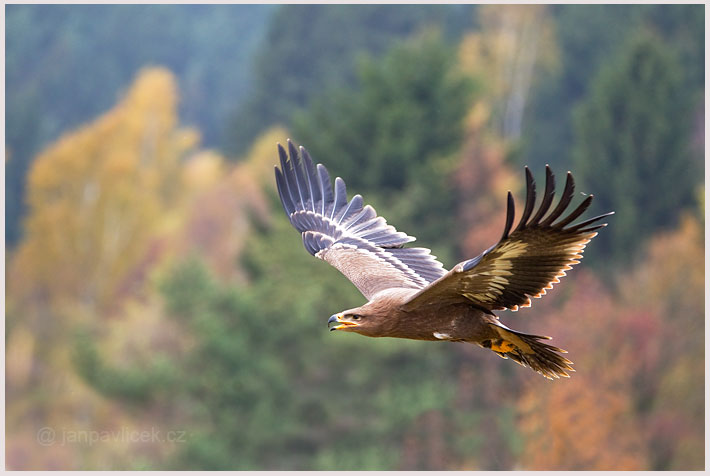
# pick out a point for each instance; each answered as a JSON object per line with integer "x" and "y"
{"x": 529, "y": 351}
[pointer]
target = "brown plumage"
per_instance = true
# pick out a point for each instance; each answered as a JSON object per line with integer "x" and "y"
{"x": 410, "y": 294}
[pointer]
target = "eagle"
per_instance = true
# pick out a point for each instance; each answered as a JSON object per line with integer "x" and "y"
{"x": 410, "y": 294}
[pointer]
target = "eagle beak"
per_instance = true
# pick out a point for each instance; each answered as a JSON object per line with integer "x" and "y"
{"x": 342, "y": 322}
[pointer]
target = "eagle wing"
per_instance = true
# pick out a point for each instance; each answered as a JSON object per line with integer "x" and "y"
{"x": 349, "y": 235}
{"x": 526, "y": 262}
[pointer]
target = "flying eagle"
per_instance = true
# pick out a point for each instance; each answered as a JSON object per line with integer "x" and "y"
{"x": 410, "y": 294}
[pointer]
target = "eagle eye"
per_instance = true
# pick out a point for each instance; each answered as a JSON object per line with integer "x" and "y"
{"x": 355, "y": 317}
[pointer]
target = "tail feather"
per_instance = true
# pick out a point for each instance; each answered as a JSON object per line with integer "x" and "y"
{"x": 529, "y": 351}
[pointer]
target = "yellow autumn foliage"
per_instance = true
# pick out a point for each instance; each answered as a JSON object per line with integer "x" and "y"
{"x": 104, "y": 202}
{"x": 97, "y": 195}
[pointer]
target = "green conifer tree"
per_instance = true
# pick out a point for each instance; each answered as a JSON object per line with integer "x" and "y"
{"x": 632, "y": 145}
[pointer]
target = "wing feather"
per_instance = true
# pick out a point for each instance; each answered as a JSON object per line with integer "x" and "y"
{"x": 547, "y": 197}
{"x": 283, "y": 193}
{"x": 313, "y": 188}
{"x": 291, "y": 188}
{"x": 567, "y": 195}
{"x": 298, "y": 176}
{"x": 341, "y": 198}
{"x": 354, "y": 207}
{"x": 529, "y": 202}
{"x": 349, "y": 235}
{"x": 326, "y": 189}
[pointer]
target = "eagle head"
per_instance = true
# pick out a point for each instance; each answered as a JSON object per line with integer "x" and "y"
{"x": 362, "y": 320}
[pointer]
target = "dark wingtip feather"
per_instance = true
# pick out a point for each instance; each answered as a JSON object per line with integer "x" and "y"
{"x": 510, "y": 216}
{"x": 547, "y": 197}
{"x": 564, "y": 202}
{"x": 529, "y": 199}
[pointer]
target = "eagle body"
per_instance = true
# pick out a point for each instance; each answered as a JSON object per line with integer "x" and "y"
{"x": 455, "y": 322}
{"x": 410, "y": 294}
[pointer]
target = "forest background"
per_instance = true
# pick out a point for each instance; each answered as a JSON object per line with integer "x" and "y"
{"x": 161, "y": 313}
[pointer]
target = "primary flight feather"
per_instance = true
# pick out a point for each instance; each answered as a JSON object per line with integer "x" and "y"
{"x": 410, "y": 294}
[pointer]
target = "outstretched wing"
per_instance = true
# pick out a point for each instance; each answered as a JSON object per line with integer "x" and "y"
{"x": 349, "y": 236}
{"x": 525, "y": 262}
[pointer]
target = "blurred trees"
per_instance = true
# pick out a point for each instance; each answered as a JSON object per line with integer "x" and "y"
{"x": 586, "y": 421}
{"x": 632, "y": 145}
{"x": 514, "y": 44}
{"x": 638, "y": 354}
{"x": 104, "y": 203}
{"x": 393, "y": 138}
{"x": 548, "y": 135}
{"x": 208, "y": 47}
{"x": 309, "y": 48}
{"x": 670, "y": 284}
